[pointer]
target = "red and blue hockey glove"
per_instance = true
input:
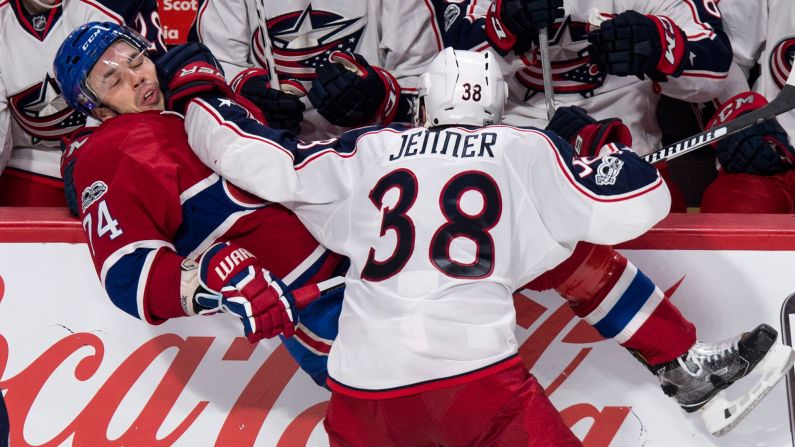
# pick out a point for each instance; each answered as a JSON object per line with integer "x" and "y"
{"x": 231, "y": 281}
{"x": 515, "y": 23}
{"x": 633, "y": 44}
{"x": 188, "y": 71}
{"x": 762, "y": 149}
{"x": 281, "y": 110}
{"x": 349, "y": 92}
{"x": 586, "y": 134}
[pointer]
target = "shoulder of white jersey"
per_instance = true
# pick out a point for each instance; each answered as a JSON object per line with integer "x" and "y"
{"x": 234, "y": 116}
{"x": 617, "y": 174}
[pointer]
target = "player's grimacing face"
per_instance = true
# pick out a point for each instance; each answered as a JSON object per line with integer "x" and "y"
{"x": 125, "y": 80}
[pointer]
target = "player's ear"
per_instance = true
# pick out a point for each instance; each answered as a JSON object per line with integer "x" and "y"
{"x": 104, "y": 113}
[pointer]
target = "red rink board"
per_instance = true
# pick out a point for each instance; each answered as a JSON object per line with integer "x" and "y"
{"x": 769, "y": 232}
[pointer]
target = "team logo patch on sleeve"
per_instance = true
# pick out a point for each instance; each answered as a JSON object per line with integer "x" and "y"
{"x": 608, "y": 170}
{"x": 93, "y": 193}
{"x": 450, "y": 15}
{"x": 781, "y": 60}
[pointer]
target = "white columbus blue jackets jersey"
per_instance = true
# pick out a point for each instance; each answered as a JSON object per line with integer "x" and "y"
{"x": 300, "y": 35}
{"x": 763, "y": 32}
{"x": 577, "y": 81}
{"x": 33, "y": 115}
{"x": 440, "y": 226}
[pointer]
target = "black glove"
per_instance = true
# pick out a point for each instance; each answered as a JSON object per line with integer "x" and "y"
{"x": 512, "y": 21}
{"x": 633, "y": 44}
{"x": 586, "y": 134}
{"x": 69, "y": 150}
{"x": 762, "y": 149}
{"x": 187, "y": 71}
{"x": 282, "y": 110}
{"x": 349, "y": 92}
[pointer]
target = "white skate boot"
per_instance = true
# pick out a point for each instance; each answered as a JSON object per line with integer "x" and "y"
{"x": 696, "y": 378}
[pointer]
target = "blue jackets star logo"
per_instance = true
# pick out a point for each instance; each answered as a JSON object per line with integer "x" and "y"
{"x": 302, "y": 40}
{"x": 43, "y": 113}
{"x": 572, "y": 70}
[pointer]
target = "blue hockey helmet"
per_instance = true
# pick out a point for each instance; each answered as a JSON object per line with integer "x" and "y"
{"x": 78, "y": 54}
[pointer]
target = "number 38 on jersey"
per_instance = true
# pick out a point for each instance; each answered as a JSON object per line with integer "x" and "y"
{"x": 462, "y": 225}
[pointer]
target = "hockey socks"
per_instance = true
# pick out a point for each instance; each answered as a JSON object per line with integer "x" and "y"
{"x": 621, "y": 303}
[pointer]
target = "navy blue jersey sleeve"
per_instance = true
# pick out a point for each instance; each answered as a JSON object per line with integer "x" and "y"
{"x": 459, "y": 25}
{"x": 710, "y": 49}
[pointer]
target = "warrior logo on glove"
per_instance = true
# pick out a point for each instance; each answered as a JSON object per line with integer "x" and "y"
{"x": 231, "y": 281}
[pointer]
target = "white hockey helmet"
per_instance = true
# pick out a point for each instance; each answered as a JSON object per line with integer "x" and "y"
{"x": 461, "y": 87}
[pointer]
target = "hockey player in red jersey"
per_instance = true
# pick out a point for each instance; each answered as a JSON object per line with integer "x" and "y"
{"x": 169, "y": 238}
{"x": 307, "y": 47}
{"x": 384, "y": 188}
{"x": 33, "y": 114}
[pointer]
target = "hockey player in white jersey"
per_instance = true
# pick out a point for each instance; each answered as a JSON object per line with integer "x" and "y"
{"x": 414, "y": 230}
{"x": 293, "y": 43}
{"x": 33, "y": 115}
{"x": 645, "y": 49}
{"x": 756, "y": 165}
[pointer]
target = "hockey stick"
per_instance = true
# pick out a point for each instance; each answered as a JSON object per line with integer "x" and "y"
{"x": 783, "y": 102}
{"x": 546, "y": 71}
{"x": 268, "y": 50}
{"x": 305, "y": 295}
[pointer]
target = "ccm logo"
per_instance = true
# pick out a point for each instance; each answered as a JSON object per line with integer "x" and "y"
{"x": 670, "y": 39}
{"x": 205, "y": 70}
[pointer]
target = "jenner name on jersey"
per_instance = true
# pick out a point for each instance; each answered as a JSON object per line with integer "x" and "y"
{"x": 452, "y": 143}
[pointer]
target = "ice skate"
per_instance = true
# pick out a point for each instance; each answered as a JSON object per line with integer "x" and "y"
{"x": 697, "y": 378}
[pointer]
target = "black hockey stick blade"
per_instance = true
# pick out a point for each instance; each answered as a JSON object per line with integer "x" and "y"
{"x": 784, "y": 102}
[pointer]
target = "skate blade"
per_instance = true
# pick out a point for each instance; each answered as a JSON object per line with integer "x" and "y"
{"x": 720, "y": 415}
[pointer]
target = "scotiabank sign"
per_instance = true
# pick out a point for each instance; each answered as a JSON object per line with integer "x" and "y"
{"x": 77, "y": 371}
{"x": 177, "y": 16}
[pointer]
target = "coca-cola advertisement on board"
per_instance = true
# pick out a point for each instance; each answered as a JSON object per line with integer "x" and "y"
{"x": 75, "y": 370}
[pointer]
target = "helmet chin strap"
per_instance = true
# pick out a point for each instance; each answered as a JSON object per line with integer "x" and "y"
{"x": 46, "y": 6}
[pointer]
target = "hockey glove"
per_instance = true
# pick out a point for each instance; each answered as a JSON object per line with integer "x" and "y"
{"x": 187, "y": 71}
{"x": 69, "y": 149}
{"x": 586, "y": 134}
{"x": 282, "y": 110}
{"x": 509, "y": 22}
{"x": 762, "y": 149}
{"x": 349, "y": 92}
{"x": 231, "y": 281}
{"x": 633, "y": 44}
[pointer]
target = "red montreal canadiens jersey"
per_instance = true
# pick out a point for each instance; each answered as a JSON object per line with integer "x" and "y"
{"x": 395, "y": 35}
{"x": 33, "y": 114}
{"x": 577, "y": 81}
{"x": 440, "y": 226}
{"x": 147, "y": 203}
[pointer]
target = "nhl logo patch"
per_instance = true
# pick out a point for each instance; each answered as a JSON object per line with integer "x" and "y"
{"x": 39, "y": 22}
{"x": 93, "y": 193}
